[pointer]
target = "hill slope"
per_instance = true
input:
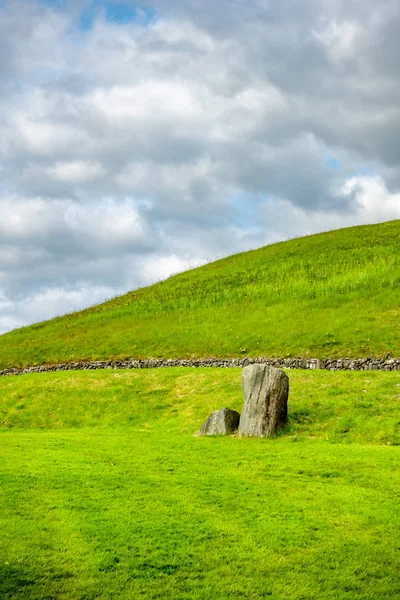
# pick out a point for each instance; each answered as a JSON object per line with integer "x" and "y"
{"x": 331, "y": 294}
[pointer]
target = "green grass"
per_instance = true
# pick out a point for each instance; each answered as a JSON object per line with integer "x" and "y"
{"x": 341, "y": 406}
{"x": 106, "y": 494}
{"x": 332, "y": 294}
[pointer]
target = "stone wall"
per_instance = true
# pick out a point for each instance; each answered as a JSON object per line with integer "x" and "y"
{"x": 330, "y": 364}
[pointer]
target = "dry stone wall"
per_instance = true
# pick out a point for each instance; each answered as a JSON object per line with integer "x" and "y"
{"x": 329, "y": 364}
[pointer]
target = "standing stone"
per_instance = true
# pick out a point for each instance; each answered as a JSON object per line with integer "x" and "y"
{"x": 265, "y": 391}
{"x": 221, "y": 422}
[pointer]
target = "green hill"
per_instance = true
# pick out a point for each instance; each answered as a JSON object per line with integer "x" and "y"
{"x": 332, "y": 294}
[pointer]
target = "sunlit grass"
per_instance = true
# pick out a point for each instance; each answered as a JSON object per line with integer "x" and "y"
{"x": 346, "y": 407}
{"x": 105, "y": 493}
{"x": 333, "y": 294}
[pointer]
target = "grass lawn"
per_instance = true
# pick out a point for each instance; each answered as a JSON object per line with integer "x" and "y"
{"x": 105, "y": 493}
{"x": 334, "y": 294}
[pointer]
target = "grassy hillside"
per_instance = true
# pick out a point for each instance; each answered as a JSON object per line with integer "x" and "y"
{"x": 106, "y": 495}
{"x": 362, "y": 407}
{"x": 332, "y": 294}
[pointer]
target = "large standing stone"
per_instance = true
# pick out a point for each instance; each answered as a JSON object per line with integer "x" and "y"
{"x": 221, "y": 422}
{"x": 266, "y": 391}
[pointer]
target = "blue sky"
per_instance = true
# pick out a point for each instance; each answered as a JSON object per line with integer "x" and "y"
{"x": 123, "y": 12}
{"x": 333, "y": 163}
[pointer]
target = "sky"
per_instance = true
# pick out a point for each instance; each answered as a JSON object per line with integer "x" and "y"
{"x": 139, "y": 140}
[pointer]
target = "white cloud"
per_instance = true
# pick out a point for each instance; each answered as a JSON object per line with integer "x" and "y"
{"x": 107, "y": 222}
{"x": 339, "y": 39}
{"x": 150, "y": 100}
{"x": 53, "y": 301}
{"x": 76, "y": 171}
{"x": 100, "y": 224}
{"x": 374, "y": 203}
{"x": 157, "y": 268}
{"x": 39, "y": 137}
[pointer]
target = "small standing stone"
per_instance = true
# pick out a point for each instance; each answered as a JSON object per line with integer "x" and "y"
{"x": 266, "y": 391}
{"x": 224, "y": 421}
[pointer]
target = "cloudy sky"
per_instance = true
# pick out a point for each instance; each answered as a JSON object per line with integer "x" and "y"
{"x": 137, "y": 140}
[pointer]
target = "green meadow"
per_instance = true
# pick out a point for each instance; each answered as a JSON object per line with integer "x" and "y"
{"x": 106, "y": 493}
{"x": 334, "y": 294}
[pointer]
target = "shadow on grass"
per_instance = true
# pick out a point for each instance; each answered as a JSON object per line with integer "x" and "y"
{"x": 18, "y": 582}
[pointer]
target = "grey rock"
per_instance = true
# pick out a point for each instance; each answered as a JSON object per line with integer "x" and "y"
{"x": 224, "y": 421}
{"x": 265, "y": 391}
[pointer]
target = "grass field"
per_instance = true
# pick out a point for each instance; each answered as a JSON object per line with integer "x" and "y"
{"x": 105, "y": 493}
{"x": 327, "y": 295}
